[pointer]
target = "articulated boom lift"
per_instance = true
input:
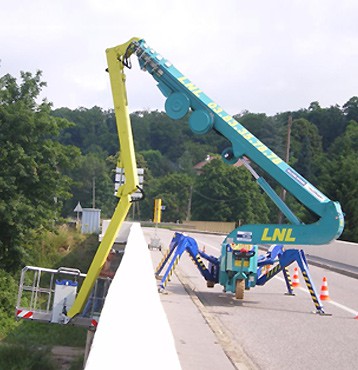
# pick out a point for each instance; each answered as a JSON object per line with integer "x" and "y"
{"x": 51, "y": 295}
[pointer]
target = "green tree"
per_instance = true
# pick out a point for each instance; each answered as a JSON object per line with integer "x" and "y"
{"x": 94, "y": 130}
{"x": 174, "y": 190}
{"x": 343, "y": 178}
{"x": 92, "y": 174}
{"x": 306, "y": 153}
{"x": 196, "y": 152}
{"x": 227, "y": 193}
{"x": 32, "y": 185}
{"x": 156, "y": 131}
{"x": 350, "y": 109}
{"x": 156, "y": 162}
{"x": 344, "y": 189}
{"x": 330, "y": 122}
{"x": 160, "y": 133}
{"x": 186, "y": 164}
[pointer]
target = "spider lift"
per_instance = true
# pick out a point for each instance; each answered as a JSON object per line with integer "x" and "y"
{"x": 239, "y": 265}
{"x": 238, "y": 268}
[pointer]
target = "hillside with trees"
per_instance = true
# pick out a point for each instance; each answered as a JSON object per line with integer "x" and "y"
{"x": 50, "y": 160}
{"x": 323, "y": 149}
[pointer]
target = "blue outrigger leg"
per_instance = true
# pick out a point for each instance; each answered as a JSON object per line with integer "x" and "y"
{"x": 180, "y": 244}
{"x": 281, "y": 259}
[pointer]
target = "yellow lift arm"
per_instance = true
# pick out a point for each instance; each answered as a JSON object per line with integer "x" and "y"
{"x": 116, "y": 60}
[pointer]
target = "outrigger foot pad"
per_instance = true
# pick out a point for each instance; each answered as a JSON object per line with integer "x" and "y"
{"x": 322, "y": 313}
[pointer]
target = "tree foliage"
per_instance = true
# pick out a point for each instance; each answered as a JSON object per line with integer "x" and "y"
{"x": 169, "y": 147}
{"x": 225, "y": 193}
{"x": 306, "y": 154}
{"x": 93, "y": 184}
{"x": 343, "y": 177}
{"x": 32, "y": 185}
{"x": 174, "y": 189}
{"x": 49, "y": 164}
{"x": 330, "y": 122}
{"x": 94, "y": 130}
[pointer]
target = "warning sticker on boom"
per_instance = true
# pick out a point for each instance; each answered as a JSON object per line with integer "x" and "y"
{"x": 296, "y": 176}
{"x": 244, "y": 236}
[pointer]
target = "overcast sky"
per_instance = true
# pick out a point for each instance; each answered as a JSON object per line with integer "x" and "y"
{"x": 265, "y": 56}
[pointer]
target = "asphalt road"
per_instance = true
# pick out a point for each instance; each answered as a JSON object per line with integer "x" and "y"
{"x": 274, "y": 330}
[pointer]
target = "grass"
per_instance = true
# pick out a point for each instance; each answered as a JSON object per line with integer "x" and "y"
{"x": 18, "y": 357}
{"x": 43, "y": 334}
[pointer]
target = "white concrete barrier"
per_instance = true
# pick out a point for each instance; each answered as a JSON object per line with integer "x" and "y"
{"x": 133, "y": 331}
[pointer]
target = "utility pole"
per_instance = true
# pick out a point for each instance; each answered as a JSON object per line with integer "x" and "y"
{"x": 188, "y": 212}
{"x": 287, "y": 158}
{"x": 93, "y": 192}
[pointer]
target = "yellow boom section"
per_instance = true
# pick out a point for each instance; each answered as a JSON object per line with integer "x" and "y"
{"x": 115, "y": 58}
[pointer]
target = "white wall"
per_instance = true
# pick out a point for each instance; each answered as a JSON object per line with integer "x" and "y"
{"x": 133, "y": 331}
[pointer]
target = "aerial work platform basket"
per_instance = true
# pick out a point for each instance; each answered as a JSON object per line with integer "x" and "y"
{"x": 47, "y": 294}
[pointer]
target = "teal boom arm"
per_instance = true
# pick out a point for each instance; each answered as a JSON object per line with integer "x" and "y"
{"x": 183, "y": 96}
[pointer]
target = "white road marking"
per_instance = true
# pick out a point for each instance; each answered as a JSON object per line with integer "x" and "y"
{"x": 334, "y": 303}
{"x": 345, "y": 308}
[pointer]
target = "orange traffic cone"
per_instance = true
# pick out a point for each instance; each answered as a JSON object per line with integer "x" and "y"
{"x": 295, "y": 279}
{"x": 324, "y": 291}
